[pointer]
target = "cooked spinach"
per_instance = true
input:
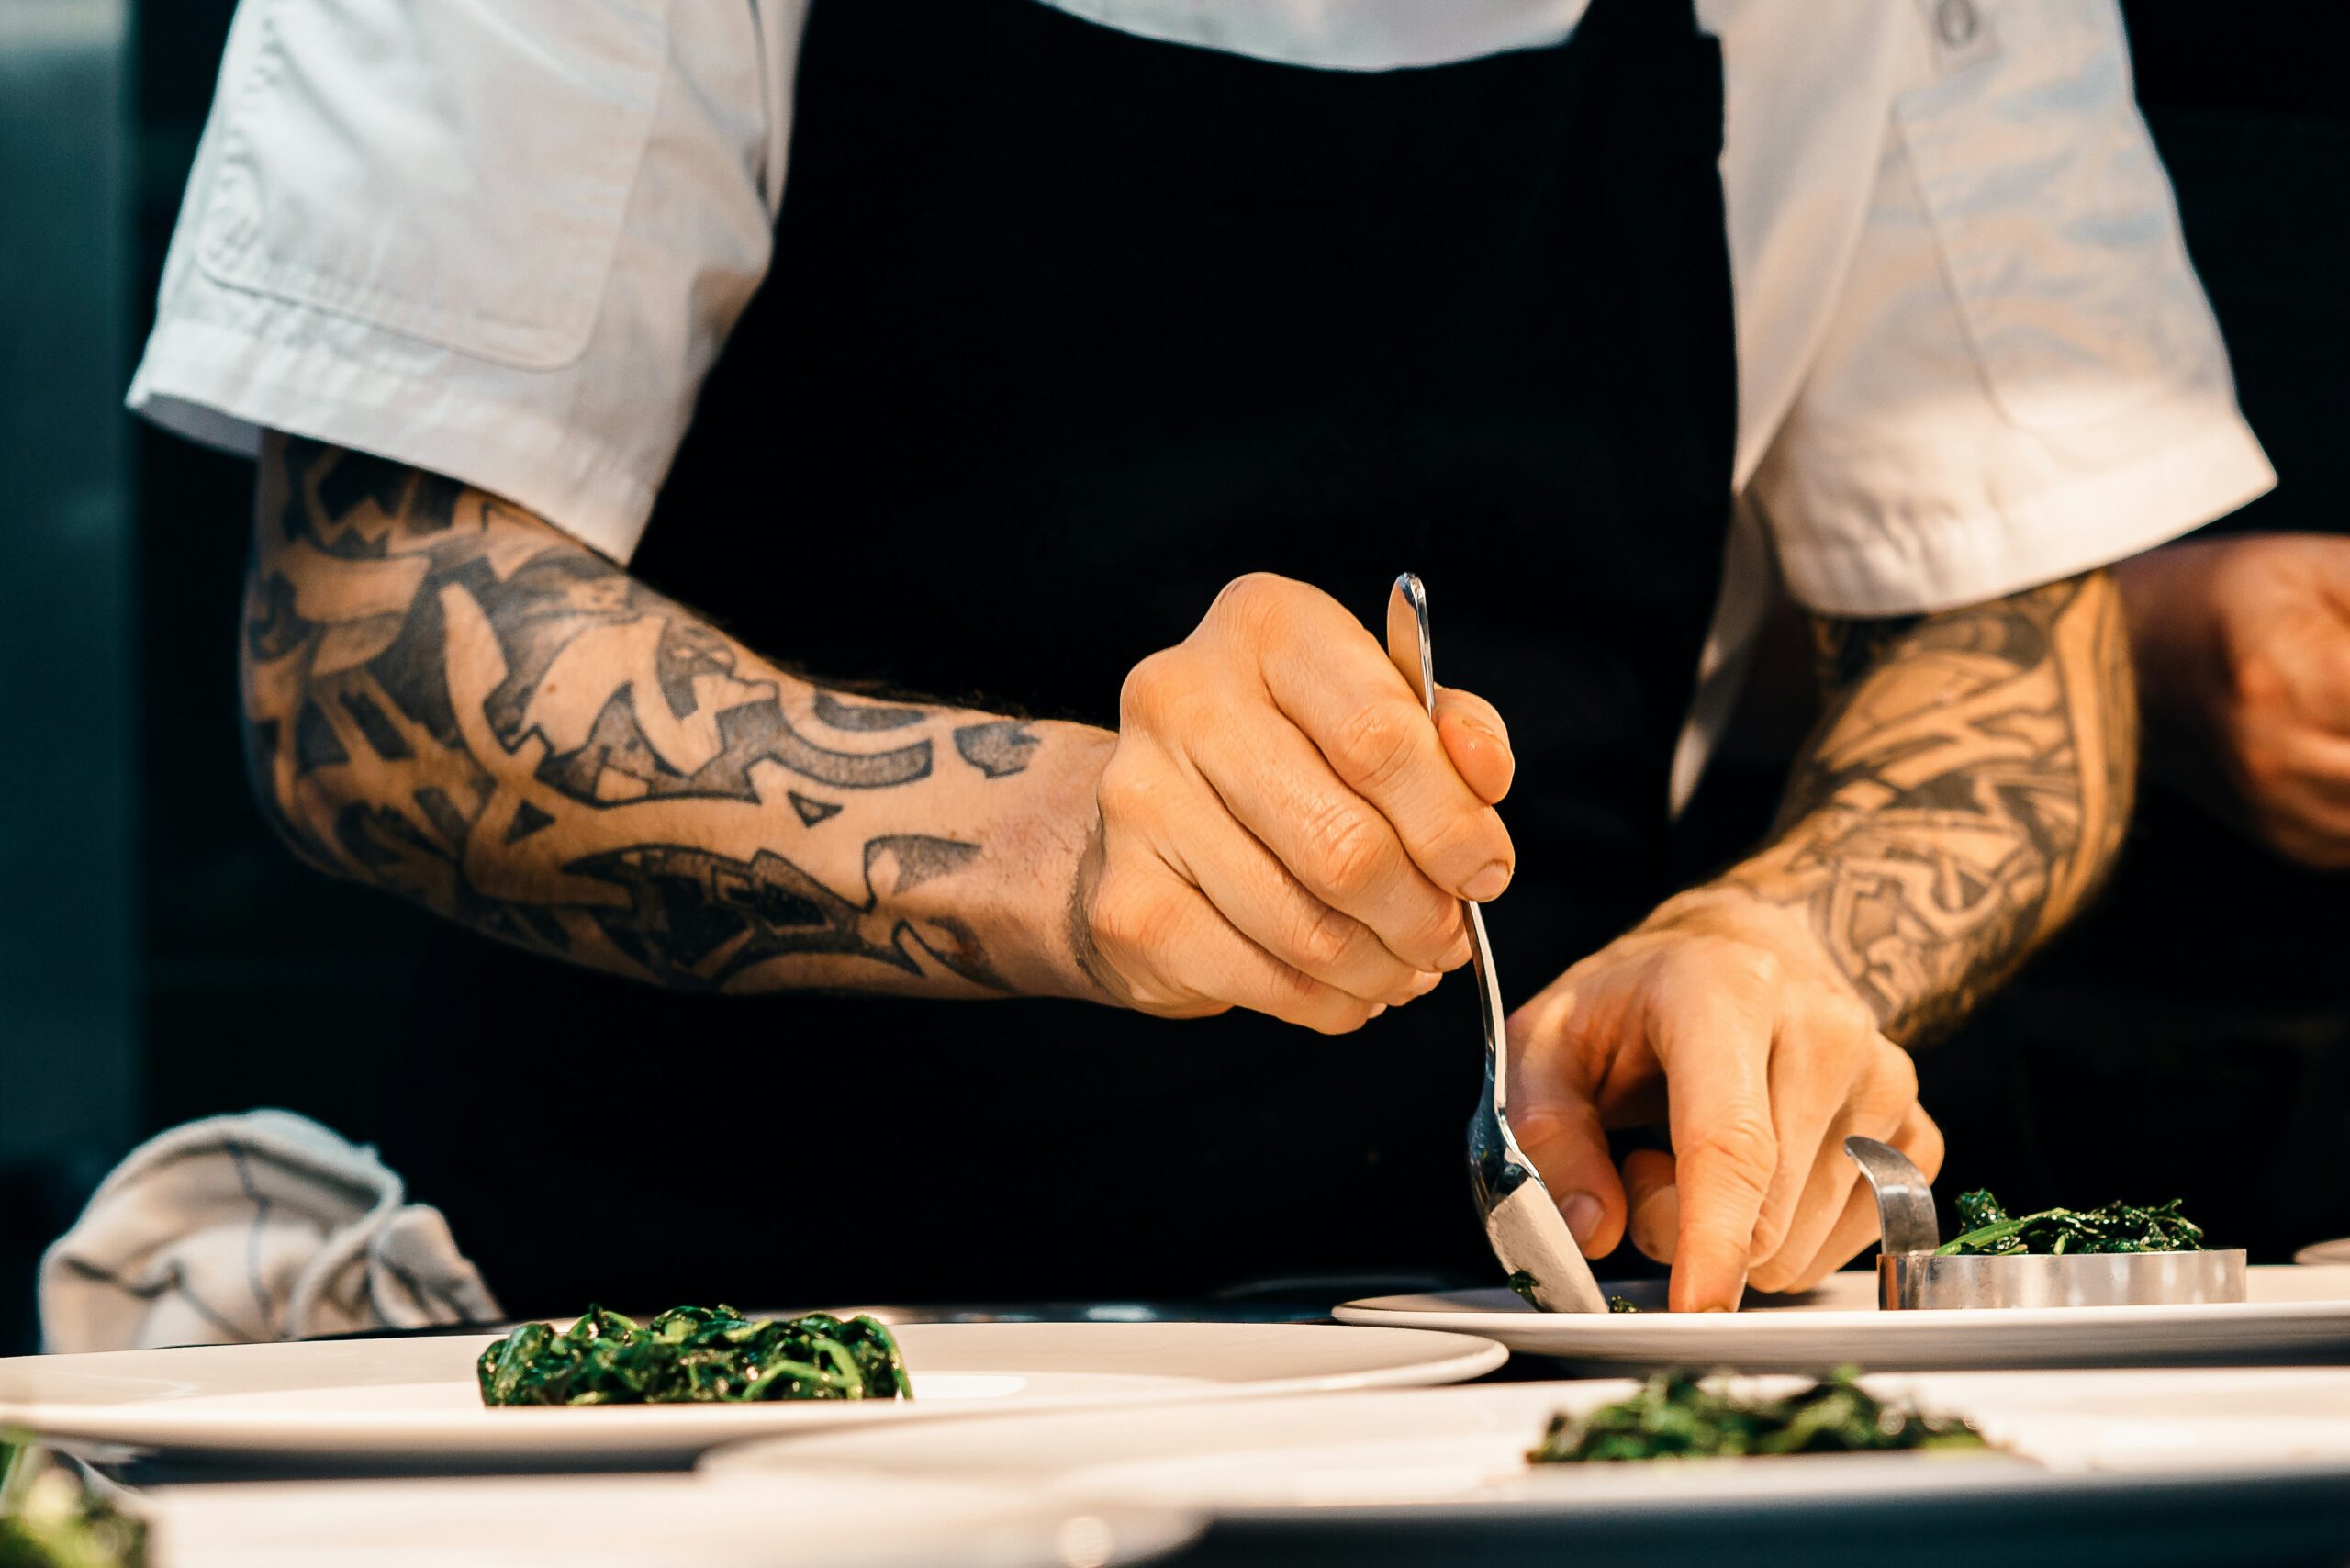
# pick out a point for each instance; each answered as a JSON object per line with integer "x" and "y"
{"x": 50, "y": 1518}
{"x": 1680, "y": 1414}
{"x": 2117, "y": 1228}
{"x": 693, "y": 1353}
{"x": 1523, "y": 1284}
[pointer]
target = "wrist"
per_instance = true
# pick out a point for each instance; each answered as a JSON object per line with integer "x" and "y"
{"x": 2175, "y": 640}
{"x": 1047, "y": 852}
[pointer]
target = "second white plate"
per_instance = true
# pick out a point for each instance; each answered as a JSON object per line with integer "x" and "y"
{"x": 416, "y": 1399}
{"x": 2294, "y": 1314}
{"x": 2203, "y": 1465}
{"x": 641, "y": 1522}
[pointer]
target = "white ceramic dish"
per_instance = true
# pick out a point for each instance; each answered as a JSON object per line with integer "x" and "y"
{"x": 2143, "y": 1467}
{"x": 415, "y": 1399}
{"x": 2293, "y": 1314}
{"x": 642, "y": 1522}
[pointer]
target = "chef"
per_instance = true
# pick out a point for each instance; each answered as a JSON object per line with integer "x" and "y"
{"x": 821, "y": 538}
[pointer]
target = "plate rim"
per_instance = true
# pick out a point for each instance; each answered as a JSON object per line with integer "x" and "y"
{"x": 1366, "y": 1311}
{"x": 1449, "y": 1357}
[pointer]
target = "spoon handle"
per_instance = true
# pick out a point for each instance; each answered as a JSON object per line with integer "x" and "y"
{"x": 1407, "y": 627}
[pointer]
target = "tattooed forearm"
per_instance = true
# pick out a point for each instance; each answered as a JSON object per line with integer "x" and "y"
{"x": 1962, "y": 797}
{"x": 449, "y": 699}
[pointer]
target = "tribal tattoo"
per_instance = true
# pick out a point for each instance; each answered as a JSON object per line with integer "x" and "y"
{"x": 1962, "y": 797}
{"x": 448, "y": 699}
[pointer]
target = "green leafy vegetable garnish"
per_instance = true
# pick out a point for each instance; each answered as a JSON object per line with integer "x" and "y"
{"x": 2117, "y": 1228}
{"x": 694, "y": 1353}
{"x": 1523, "y": 1284}
{"x": 1682, "y": 1415}
{"x": 50, "y": 1518}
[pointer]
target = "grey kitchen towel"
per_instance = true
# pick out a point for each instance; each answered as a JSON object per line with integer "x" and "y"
{"x": 266, "y": 1226}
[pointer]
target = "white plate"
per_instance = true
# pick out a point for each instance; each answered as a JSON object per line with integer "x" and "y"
{"x": 413, "y": 1398}
{"x": 2293, "y": 1314}
{"x": 2141, "y": 1466}
{"x": 642, "y": 1522}
{"x": 2336, "y": 1251}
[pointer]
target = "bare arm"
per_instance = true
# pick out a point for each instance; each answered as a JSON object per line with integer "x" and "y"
{"x": 1963, "y": 796}
{"x": 449, "y": 699}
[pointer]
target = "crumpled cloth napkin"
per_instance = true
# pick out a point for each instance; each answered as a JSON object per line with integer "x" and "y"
{"x": 266, "y": 1226}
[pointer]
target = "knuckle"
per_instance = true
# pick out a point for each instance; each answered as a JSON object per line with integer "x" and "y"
{"x": 1130, "y": 916}
{"x": 2256, "y": 680}
{"x": 1437, "y": 936}
{"x": 1741, "y": 1149}
{"x": 1148, "y": 685}
{"x": 1250, "y": 599}
{"x": 1758, "y": 968}
{"x": 1771, "y": 1229}
{"x": 1742, "y": 968}
{"x": 1374, "y": 744}
{"x": 1324, "y": 941}
{"x": 1120, "y": 792}
{"x": 1847, "y": 1017}
{"x": 1300, "y": 998}
{"x": 1893, "y": 1074}
{"x": 1347, "y": 852}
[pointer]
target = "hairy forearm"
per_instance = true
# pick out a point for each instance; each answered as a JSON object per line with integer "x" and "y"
{"x": 1962, "y": 798}
{"x": 449, "y": 699}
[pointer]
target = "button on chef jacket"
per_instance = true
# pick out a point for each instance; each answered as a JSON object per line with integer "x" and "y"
{"x": 506, "y": 242}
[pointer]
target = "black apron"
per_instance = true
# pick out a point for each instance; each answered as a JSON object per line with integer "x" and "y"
{"x": 1065, "y": 329}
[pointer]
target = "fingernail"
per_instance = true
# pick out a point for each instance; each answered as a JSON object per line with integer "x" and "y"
{"x": 1583, "y": 1211}
{"x": 1376, "y": 1008}
{"x": 1656, "y": 1224}
{"x": 1427, "y": 982}
{"x": 1486, "y": 884}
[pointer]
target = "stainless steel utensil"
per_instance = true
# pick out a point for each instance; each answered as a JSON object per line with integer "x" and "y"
{"x": 1911, "y": 1275}
{"x": 1528, "y": 1233}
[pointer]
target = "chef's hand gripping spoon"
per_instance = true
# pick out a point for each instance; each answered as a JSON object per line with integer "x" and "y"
{"x": 1527, "y": 1231}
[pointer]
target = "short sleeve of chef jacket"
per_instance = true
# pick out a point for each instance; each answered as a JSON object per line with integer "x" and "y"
{"x": 2017, "y": 377}
{"x": 502, "y": 239}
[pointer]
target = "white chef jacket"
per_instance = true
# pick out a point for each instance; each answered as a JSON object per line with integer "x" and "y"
{"x": 504, "y": 240}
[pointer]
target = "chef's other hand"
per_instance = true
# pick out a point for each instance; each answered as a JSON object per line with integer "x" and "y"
{"x": 2244, "y": 656}
{"x": 1757, "y": 1058}
{"x": 1283, "y": 828}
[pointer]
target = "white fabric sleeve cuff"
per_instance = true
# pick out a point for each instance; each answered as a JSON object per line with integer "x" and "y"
{"x": 222, "y": 386}
{"x": 1911, "y": 562}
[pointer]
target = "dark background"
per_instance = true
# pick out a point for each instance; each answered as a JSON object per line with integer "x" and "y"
{"x": 2192, "y": 1037}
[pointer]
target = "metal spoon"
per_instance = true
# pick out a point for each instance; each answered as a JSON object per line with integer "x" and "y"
{"x": 1528, "y": 1233}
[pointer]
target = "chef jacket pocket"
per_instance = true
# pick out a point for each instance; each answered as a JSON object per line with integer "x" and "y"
{"x": 454, "y": 170}
{"x": 2057, "y": 235}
